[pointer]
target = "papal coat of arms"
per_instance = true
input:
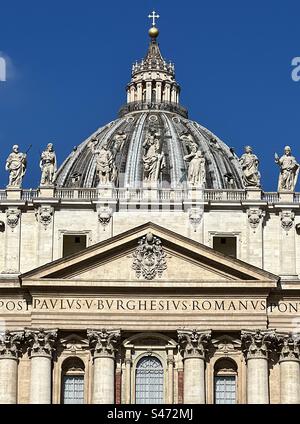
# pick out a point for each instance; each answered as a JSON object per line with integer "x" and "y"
{"x": 149, "y": 258}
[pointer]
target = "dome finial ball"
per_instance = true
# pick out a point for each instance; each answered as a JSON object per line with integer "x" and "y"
{"x": 153, "y": 32}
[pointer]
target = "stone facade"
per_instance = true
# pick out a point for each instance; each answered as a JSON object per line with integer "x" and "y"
{"x": 100, "y": 282}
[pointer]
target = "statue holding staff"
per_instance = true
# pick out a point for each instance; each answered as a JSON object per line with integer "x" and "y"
{"x": 16, "y": 164}
{"x": 289, "y": 170}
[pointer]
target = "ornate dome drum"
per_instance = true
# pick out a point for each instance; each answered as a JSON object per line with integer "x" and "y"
{"x": 153, "y": 143}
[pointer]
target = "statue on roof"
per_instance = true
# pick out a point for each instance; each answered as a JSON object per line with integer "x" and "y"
{"x": 105, "y": 164}
{"x": 48, "y": 166}
{"x": 16, "y": 164}
{"x": 153, "y": 158}
{"x": 289, "y": 170}
{"x": 249, "y": 163}
{"x": 196, "y": 170}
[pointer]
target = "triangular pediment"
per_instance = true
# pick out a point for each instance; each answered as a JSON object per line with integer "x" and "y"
{"x": 176, "y": 259}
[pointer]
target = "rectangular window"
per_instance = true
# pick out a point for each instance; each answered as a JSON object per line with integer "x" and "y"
{"x": 225, "y": 389}
{"x": 73, "y": 389}
{"x": 73, "y": 243}
{"x": 226, "y": 245}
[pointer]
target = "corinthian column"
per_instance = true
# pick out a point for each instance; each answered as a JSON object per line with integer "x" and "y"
{"x": 41, "y": 348}
{"x": 9, "y": 353}
{"x": 102, "y": 345}
{"x": 289, "y": 369}
{"x": 255, "y": 346}
{"x": 194, "y": 343}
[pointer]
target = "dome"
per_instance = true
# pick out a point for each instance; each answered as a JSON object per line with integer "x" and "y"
{"x": 152, "y": 143}
{"x": 125, "y": 138}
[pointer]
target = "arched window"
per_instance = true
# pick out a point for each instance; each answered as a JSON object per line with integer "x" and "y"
{"x": 73, "y": 381}
{"x": 225, "y": 381}
{"x": 153, "y": 95}
{"x": 149, "y": 384}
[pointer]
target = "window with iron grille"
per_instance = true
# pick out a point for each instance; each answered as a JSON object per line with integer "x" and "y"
{"x": 73, "y": 389}
{"x": 225, "y": 389}
{"x": 149, "y": 384}
{"x": 225, "y": 381}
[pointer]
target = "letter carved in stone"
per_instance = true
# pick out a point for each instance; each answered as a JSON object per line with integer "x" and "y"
{"x": 103, "y": 342}
{"x": 256, "y": 344}
{"x": 12, "y": 217}
{"x": 41, "y": 342}
{"x": 193, "y": 342}
{"x": 10, "y": 344}
{"x": 149, "y": 258}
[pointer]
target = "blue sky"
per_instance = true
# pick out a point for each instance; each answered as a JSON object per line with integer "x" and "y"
{"x": 69, "y": 61}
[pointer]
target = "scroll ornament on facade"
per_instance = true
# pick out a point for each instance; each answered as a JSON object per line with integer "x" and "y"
{"x": 195, "y": 217}
{"x": 41, "y": 342}
{"x": 44, "y": 215}
{"x": 254, "y": 216}
{"x": 10, "y": 344}
{"x": 256, "y": 344}
{"x": 104, "y": 216}
{"x": 12, "y": 217}
{"x": 103, "y": 342}
{"x": 149, "y": 258}
{"x": 287, "y": 220}
{"x": 193, "y": 342}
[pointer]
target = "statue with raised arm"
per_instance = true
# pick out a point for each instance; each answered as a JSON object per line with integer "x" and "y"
{"x": 249, "y": 163}
{"x": 48, "y": 166}
{"x": 289, "y": 170}
{"x": 16, "y": 164}
{"x": 196, "y": 170}
{"x": 105, "y": 165}
{"x": 153, "y": 158}
{"x": 189, "y": 142}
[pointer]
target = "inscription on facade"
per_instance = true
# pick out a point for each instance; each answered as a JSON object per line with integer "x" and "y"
{"x": 158, "y": 305}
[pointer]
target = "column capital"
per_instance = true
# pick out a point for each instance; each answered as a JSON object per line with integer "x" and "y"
{"x": 288, "y": 348}
{"x": 41, "y": 342}
{"x": 170, "y": 360}
{"x": 103, "y": 342}
{"x": 10, "y": 342}
{"x": 256, "y": 343}
{"x": 194, "y": 342}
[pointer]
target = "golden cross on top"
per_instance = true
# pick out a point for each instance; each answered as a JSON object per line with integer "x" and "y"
{"x": 153, "y": 17}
